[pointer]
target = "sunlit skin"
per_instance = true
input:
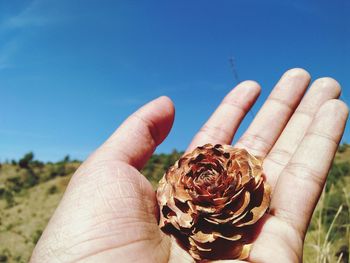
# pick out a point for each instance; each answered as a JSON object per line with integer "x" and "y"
{"x": 109, "y": 213}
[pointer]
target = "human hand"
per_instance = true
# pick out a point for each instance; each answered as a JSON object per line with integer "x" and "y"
{"x": 109, "y": 210}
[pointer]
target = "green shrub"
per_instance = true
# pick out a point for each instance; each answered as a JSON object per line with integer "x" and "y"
{"x": 58, "y": 169}
{"x": 26, "y": 159}
{"x": 37, "y": 164}
{"x": 2, "y": 191}
{"x": 52, "y": 190}
{"x": 66, "y": 159}
{"x": 337, "y": 173}
{"x": 10, "y": 201}
{"x": 18, "y": 258}
{"x": 9, "y": 226}
{"x": 36, "y": 236}
{"x": 342, "y": 148}
{"x": 158, "y": 164}
{"x": 14, "y": 184}
{"x": 30, "y": 179}
{"x": 3, "y": 258}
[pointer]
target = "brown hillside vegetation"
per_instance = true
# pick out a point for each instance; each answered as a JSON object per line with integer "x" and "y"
{"x": 30, "y": 191}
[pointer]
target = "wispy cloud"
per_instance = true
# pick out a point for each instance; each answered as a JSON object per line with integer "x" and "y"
{"x": 18, "y": 25}
{"x": 31, "y": 16}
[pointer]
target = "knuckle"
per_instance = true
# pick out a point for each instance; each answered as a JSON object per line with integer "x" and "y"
{"x": 305, "y": 173}
{"x": 280, "y": 156}
{"x": 255, "y": 142}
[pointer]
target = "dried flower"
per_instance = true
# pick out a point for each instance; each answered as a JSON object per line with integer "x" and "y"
{"x": 211, "y": 199}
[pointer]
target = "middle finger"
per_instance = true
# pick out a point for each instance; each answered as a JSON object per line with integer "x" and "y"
{"x": 275, "y": 113}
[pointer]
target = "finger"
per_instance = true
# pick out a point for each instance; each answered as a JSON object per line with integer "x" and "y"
{"x": 275, "y": 113}
{"x": 321, "y": 91}
{"x": 138, "y": 136}
{"x": 223, "y": 124}
{"x": 301, "y": 182}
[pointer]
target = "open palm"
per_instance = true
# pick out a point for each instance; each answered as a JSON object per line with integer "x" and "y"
{"x": 109, "y": 211}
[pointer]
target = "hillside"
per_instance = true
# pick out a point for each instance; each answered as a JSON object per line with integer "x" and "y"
{"x": 30, "y": 190}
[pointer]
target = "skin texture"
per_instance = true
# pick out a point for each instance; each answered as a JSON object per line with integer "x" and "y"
{"x": 109, "y": 211}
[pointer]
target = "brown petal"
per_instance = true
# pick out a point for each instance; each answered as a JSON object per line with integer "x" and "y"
{"x": 258, "y": 211}
{"x": 211, "y": 199}
{"x": 220, "y": 249}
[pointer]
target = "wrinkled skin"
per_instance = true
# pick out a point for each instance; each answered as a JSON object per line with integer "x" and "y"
{"x": 109, "y": 210}
{"x": 211, "y": 200}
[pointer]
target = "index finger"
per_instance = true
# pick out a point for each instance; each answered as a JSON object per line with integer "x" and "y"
{"x": 223, "y": 124}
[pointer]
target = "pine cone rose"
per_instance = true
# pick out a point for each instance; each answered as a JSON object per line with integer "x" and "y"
{"x": 210, "y": 200}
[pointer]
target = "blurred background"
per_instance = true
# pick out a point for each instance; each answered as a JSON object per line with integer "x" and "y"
{"x": 71, "y": 71}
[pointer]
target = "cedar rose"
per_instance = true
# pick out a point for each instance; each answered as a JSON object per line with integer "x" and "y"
{"x": 211, "y": 199}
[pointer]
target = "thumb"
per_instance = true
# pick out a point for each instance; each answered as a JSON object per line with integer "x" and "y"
{"x": 139, "y": 135}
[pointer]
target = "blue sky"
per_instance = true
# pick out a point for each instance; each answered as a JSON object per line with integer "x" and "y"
{"x": 72, "y": 71}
